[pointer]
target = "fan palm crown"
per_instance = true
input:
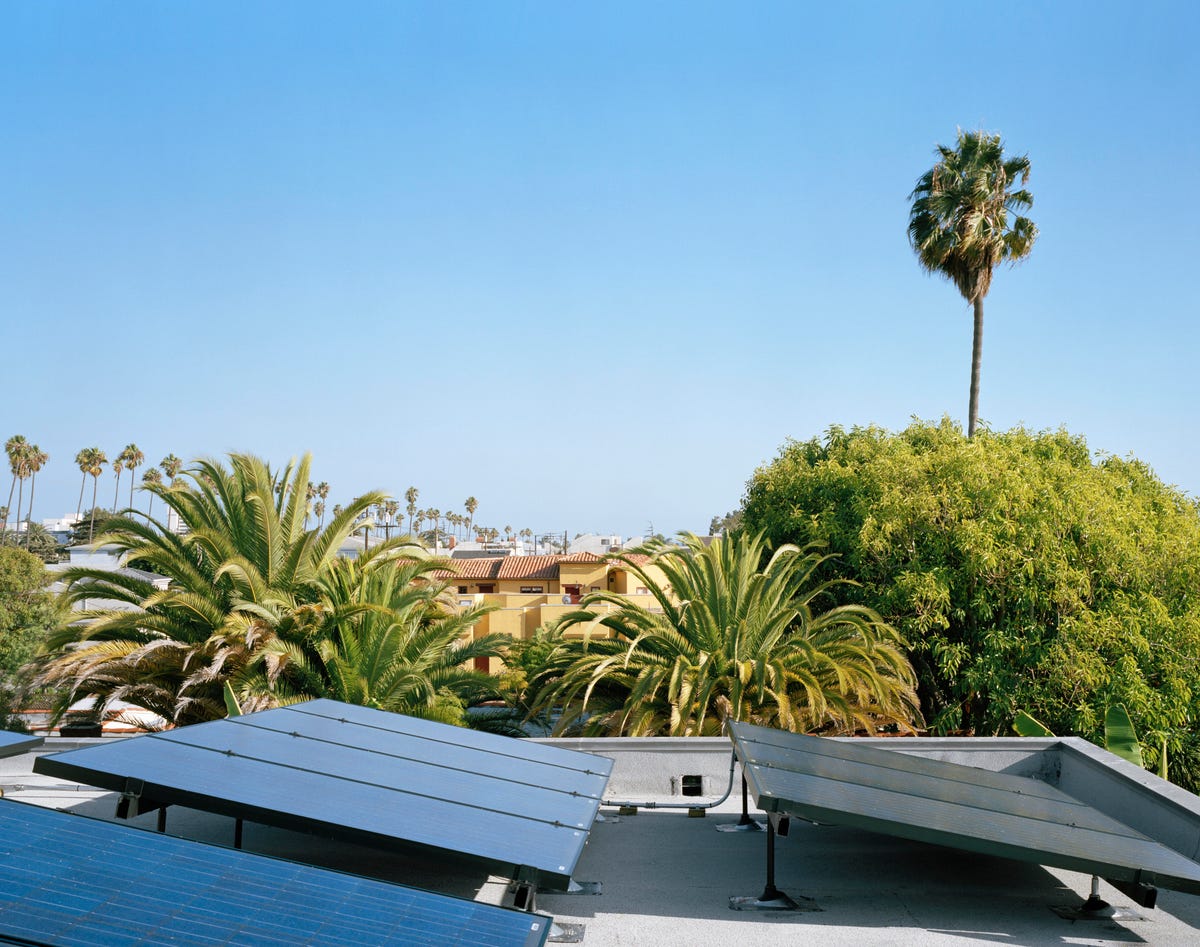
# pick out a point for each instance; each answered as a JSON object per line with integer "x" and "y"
{"x": 964, "y": 222}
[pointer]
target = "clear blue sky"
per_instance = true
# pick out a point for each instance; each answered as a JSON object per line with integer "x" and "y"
{"x": 592, "y": 263}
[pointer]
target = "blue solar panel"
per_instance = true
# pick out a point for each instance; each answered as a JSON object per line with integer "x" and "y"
{"x": 78, "y": 882}
{"x": 14, "y": 744}
{"x": 369, "y": 776}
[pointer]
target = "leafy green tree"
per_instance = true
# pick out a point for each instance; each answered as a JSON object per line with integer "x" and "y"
{"x": 1024, "y": 573}
{"x": 27, "y": 615}
{"x": 729, "y": 638}
{"x": 959, "y": 225}
{"x": 27, "y": 610}
{"x": 246, "y": 572}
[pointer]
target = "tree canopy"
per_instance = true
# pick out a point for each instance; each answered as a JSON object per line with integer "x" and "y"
{"x": 1023, "y": 572}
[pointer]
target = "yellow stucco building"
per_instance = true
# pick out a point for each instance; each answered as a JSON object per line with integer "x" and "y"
{"x": 530, "y": 591}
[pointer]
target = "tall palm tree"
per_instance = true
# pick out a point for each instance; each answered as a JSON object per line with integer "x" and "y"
{"x": 959, "y": 225}
{"x": 410, "y": 497}
{"x": 322, "y": 495}
{"x": 171, "y": 465}
{"x": 391, "y": 509}
{"x": 85, "y": 461}
{"x": 730, "y": 638}
{"x": 310, "y": 494}
{"x": 471, "y": 505}
{"x": 35, "y": 460}
{"x": 435, "y": 517}
{"x": 151, "y": 478}
{"x": 118, "y": 465}
{"x": 98, "y": 460}
{"x": 245, "y": 573}
{"x": 132, "y": 458}
{"x": 14, "y": 447}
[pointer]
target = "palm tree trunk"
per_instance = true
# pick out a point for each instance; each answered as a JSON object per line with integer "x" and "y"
{"x": 79, "y": 505}
{"x": 20, "y": 501}
{"x": 9, "y": 507}
{"x": 29, "y": 515}
{"x": 976, "y": 359}
{"x": 116, "y": 492}
{"x": 92, "y": 525}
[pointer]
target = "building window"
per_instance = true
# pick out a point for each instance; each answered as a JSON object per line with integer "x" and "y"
{"x": 531, "y": 589}
{"x": 642, "y": 590}
{"x": 462, "y": 590}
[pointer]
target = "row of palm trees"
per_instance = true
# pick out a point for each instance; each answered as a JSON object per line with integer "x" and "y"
{"x": 260, "y": 605}
{"x": 25, "y": 460}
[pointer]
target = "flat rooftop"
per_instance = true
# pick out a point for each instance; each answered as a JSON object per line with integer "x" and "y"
{"x": 667, "y": 878}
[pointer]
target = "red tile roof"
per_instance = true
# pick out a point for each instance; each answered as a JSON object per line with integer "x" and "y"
{"x": 513, "y": 567}
{"x": 475, "y": 568}
{"x": 529, "y": 567}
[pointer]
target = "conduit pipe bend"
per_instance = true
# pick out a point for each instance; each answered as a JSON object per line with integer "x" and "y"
{"x": 678, "y": 805}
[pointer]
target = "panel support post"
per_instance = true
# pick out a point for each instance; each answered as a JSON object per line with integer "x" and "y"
{"x": 237, "y": 832}
{"x": 745, "y": 823}
{"x": 772, "y": 899}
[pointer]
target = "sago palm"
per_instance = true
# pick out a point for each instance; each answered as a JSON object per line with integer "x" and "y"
{"x": 728, "y": 637}
{"x": 960, "y": 225}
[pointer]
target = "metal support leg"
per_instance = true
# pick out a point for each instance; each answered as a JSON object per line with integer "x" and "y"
{"x": 1095, "y": 908}
{"x": 162, "y": 819}
{"x": 772, "y": 899}
{"x": 237, "y": 833}
{"x": 745, "y": 823}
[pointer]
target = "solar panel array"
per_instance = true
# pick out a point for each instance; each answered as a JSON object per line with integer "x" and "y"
{"x": 71, "y": 880}
{"x": 845, "y": 783}
{"x": 14, "y": 744}
{"x": 367, "y": 776}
